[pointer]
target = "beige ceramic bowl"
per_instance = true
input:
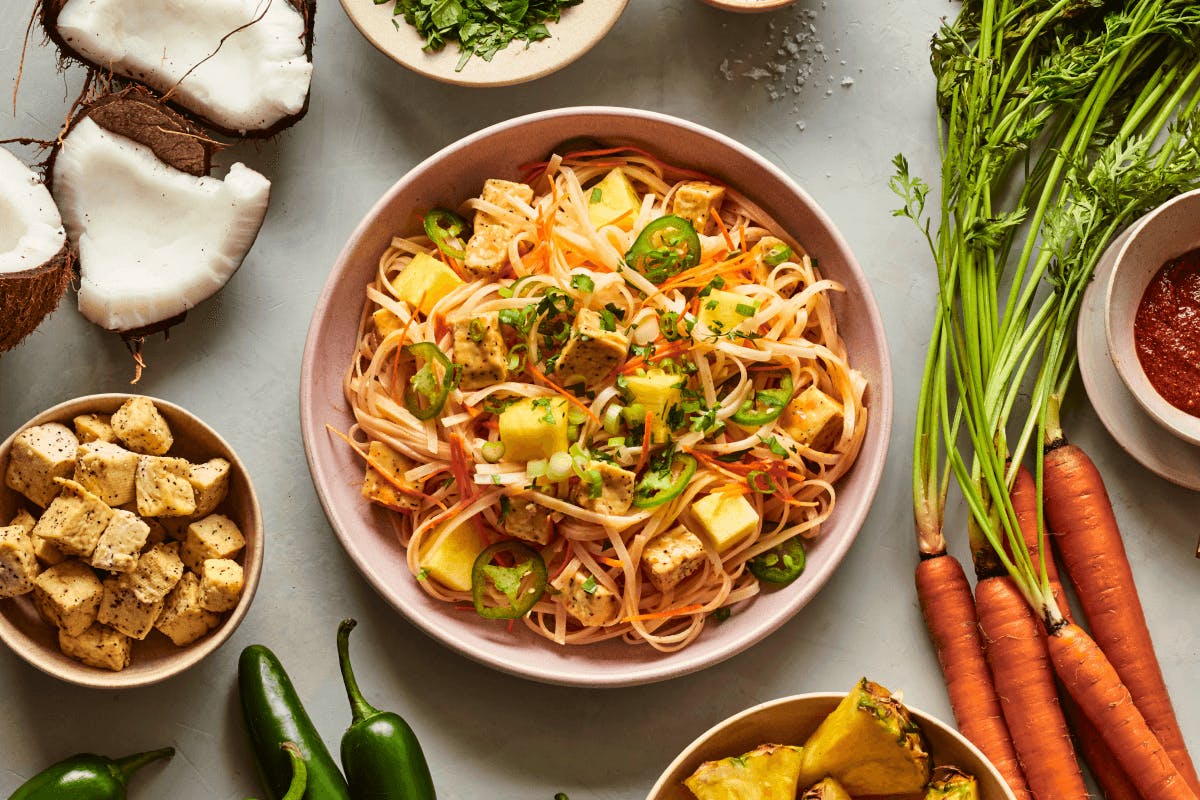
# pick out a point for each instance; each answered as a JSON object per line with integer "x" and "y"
{"x": 749, "y": 6}
{"x": 1165, "y": 233}
{"x": 155, "y": 658}
{"x": 790, "y": 720}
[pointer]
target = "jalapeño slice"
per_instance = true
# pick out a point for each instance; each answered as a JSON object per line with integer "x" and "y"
{"x": 441, "y": 223}
{"x": 765, "y": 405}
{"x": 520, "y": 576}
{"x": 666, "y": 247}
{"x": 780, "y": 565}
{"x": 425, "y": 395}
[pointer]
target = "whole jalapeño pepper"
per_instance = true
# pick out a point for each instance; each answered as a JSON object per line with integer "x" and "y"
{"x": 380, "y": 753}
{"x": 87, "y": 777}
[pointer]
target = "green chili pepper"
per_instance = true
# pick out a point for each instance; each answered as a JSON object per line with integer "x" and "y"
{"x": 424, "y": 384}
{"x": 765, "y": 405}
{"x": 777, "y": 255}
{"x": 86, "y": 776}
{"x": 665, "y": 247}
{"x": 299, "y": 782}
{"x": 441, "y": 223}
{"x": 780, "y": 565}
{"x": 380, "y": 753}
{"x": 523, "y": 583}
{"x": 665, "y": 483}
{"x": 273, "y": 714}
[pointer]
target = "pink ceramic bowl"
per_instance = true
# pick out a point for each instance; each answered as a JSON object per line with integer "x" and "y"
{"x": 457, "y": 172}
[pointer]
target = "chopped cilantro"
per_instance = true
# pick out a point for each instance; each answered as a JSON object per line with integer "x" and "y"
{"x": 745, "y": 309}
{"x": 774, "y": 446}
{"x": 583, "y": 283}
{"x": 589, "y": 585}
{"x": 716, "y": 283}
{"x": 721, "y": 614}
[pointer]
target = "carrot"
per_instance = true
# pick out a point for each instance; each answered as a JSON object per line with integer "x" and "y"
{"x": 1104, "y": 766}
{"x": 673, "y": 612}
{"x": 1024, "y": 678}
{"x": 537, "y": 373}
{"x": 1080, "y": 514}
{"x": 1095, "y": 685}
{"x": 949, "y": 611}
{"x": 647, "y": 433}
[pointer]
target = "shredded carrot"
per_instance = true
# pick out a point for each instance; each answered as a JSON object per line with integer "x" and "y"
{"x": 537, "y": 373}
{"x": 724, "y": 230}
{"x": 674, "y": 612}
{"x": 668, "y": 350}
{"x": 458, "y": 466}
{"x": 647, "y": 429}
{"x": 384, "y": 472}
{"x": 612, "y": 562}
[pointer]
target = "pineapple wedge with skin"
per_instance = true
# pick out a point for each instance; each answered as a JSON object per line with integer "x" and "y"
{"x": 828, "y": 789}
{"x": 869, "y": 744}
{"x": 951, "y": 783}
{"x": 769, "y": 772}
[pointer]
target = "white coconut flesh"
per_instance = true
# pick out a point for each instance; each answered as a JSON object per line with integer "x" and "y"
{"x": 31, "y": 230}
{"x": 152, "y": 241}
{"x": 259, "y": 76}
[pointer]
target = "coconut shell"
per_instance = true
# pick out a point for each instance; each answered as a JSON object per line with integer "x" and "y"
{"x": 26, "y": 298}
{"x": 307, "y": 10}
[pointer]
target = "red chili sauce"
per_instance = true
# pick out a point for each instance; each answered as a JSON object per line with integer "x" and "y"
{"x": 1166, "y": 332}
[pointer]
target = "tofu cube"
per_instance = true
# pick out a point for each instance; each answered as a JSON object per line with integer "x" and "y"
{"x": 38, "y": 456}
{"x": 449, "y": 554}
{"x": 97, "y": 646}
{"x": 726, "y": 518}
{"x": 525, "y": 519}
{"x": 672, "y": 556}
{"x": 74, "y": 521}
{"x": 487, "y": 249}
{"x": 118, "y": 547}
{"x": 182, "y": 620}
{"x": 215, "y": 536}
{"x": 722, "y": 313}
{"x": 24, "y": 520}
{"x": 221, "y": 582}
{"x": 68, "y": 595}
{"x": 18, "y": 564}
{"x": 122, "y": 610}
{"x": 592, "y": 353}
{"x": 210, "y": 485}
{"x": 45, "y": 552}
{"x": 157, "y": 533}
{"x": 385, "y": 476}
{"x": 94, "y": 428}
{"x": 386, "y": 323}
{"x": 613, "y": 201}
{"x": 162, "y": 487}
{"x": 589, "y": 601}
{"x": 140, "y": 427}
{"x": 813, "y": 419}
{"x": 106, "y": 470}
{"x": 422, "y": 284}
{"x": 156, "y": 573}
{"x": 533, "y": 428}
{"x": 480, "y": 349}
{"x": 699, "y": 202}
{"x": 614, "y": 493}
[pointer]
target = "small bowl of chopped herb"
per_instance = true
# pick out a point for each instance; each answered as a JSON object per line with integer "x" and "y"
{"x": 479, "y": 43}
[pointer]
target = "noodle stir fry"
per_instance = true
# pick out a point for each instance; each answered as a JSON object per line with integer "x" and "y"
{"x": 614, "y": 404}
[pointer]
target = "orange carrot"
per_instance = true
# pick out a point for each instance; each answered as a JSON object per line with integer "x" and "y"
{"x": 537, "y": 373}
{"x": 1097, "y": 688}
{"x": 1080, "y": 514}
{"x": 1024, "y": 678}
{"x": 949, "y": 611}
{"x": 647, "y": 428}
{"x": 673, "y": 612}
{"x": 1105, "y": 768}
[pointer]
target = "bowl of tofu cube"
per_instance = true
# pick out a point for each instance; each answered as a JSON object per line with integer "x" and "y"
{"x": 131, "y": 541}
{"x": 831, "y": 746}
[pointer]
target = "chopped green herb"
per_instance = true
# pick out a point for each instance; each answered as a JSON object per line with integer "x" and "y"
{"x": 721, "y": 614}
{"x": 597, "y": 195}
{"x": 589, "y": 585}
{"x": 716, "y": 283}
{"x": 583, "y": 283}
{"x": 475, "y": 330}
{"x": 774, "y": 446}
{"x": 777, "y": 255}
{"x": 422, "y": 573}
{"x": 745, "y": 309}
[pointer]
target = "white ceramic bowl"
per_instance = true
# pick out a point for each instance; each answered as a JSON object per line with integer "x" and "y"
{"x": 790, "y": 720}
{"x": 155, "y": 658}
{"x": 446, "y": 179}
{"x": 1166, "y": 233}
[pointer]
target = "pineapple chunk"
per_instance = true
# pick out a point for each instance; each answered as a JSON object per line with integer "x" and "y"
{"x": 769, "y": 772}
{"x": 658, "y": 392}
{"x": 723, "y": 312}
{"x": 381, "y": 487}
{"x": 949, "y": 783}
{"x": 424, "y": 282}
{"x": 727, "y": 518}
{"x": 450, "y": 553}
{"x": 613, "y": 199}
{"x": 813, "y": 419}
{"x": 386, "y": 323}
{"x": 828, "y": 789}
{"x": 869, "y": 744}
{"x": 534, "y": 427}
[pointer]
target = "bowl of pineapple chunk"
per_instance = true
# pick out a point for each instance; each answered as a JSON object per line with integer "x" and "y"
{"x": 831, "y": 746}
{"x": 131, "y": 540}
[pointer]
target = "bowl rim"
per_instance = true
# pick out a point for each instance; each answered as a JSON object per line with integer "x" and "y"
{"x": 1119, "y": 297}
{"x": 924, "y": 717}
{"x": 188, "y": 656}
{"x": 669, "y": 665}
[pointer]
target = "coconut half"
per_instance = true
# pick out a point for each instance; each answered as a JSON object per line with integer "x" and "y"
{"x": 34, "y": 269}
{"x": 152, "y": 240}
{"x": 242, "y": 66}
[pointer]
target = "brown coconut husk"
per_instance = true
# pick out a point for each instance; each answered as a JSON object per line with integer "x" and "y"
{"x": 26, "y": 298}
{"x": 307, "y": 9}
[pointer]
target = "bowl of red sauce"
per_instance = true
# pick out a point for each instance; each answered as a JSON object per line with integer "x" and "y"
{"x": 1152, "y": 314}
